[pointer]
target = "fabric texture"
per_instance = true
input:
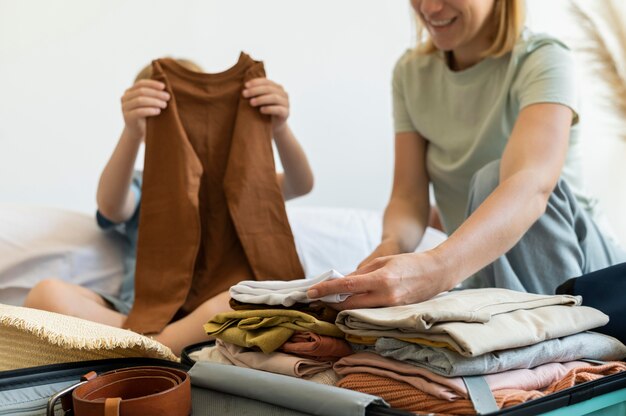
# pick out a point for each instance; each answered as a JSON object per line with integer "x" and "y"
{"x": 442, "y": 361}
{"x": 535, "y": 264}
{"x": 275, "y": 362}
{"x": 266, "y": 329}
{"x": 31, "y": 337}
{"x": 317, "y": 347}
{"x": 404, "y": 396}
{"x": 485, "y": 101}
{"x": 290, "y": 392}
{"x": 284, "y": 293}
{"x": 40, "y": 242}
{"x": 477, "y": 321}
{"x": 212, "y": 354}
{"x": 212, "y": 213}
{"x": 452, "y": 388}
{"x": 318, "y": 310}
{"x": 604, "y": 290}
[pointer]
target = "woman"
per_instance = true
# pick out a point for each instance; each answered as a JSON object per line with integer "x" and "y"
{"x": 485, "y": 111}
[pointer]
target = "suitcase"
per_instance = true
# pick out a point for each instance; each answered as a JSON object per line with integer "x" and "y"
{"x": 25, "y": 392}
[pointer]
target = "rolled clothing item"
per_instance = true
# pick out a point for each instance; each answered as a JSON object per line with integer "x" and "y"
{"x": 442, "y": 361}
{"x": 267, "y": 329}
{"x": 286, "y": 293}
{"x": 477, "y": 321}
{"x": 317, "y": 347}
{"x": 403, "y": 396}
{"x": 452, "y": 388}
{"x": 275, "y": 362}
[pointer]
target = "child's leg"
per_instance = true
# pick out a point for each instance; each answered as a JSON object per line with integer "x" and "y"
{"x": 188, "y": 330}
{"x": 55, "y": 295}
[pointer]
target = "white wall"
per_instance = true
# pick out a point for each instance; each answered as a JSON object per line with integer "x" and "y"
{"x": 64, "y": 68}
{"x": 65, "y": 64}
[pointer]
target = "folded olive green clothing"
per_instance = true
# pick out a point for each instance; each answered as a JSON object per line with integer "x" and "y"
{"x": 318, "y": 310}
{"x": 266, "y": 329}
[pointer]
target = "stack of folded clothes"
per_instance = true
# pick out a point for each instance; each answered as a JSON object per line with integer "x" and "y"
{"x": 462, "y": 352}
{"x": 495, "y": 346}
{"x": 276, "y": 328}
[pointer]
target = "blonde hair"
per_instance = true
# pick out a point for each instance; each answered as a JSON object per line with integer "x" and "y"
{"x": 509, "y": 15}
{"x": 146, "y": 71}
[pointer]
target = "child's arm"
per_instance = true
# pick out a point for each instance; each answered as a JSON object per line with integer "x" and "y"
{"x": 115, "y": 199}
{"x": 272, "y": 99}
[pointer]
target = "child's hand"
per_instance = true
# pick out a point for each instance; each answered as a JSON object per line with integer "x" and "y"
{"x": 144, "y": 99}
{"x": 271, "y": 99}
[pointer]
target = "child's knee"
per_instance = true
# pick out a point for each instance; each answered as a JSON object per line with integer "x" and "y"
{"x": 48, "y": 294}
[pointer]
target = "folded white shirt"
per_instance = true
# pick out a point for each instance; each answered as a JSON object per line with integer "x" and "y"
{"x": 286, "y": 293}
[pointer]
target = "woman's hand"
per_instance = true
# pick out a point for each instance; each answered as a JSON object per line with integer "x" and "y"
{"x": 271, "y": 99}
{"x": 389, "y": 281}
{"x": 144, "y": 99}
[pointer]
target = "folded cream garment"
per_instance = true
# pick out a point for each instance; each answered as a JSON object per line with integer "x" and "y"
{"x": 275, "y": 362}
{"x": 213, "y": 354}
{"x": 286, "y": 293}
{"x": 477, "y": 321}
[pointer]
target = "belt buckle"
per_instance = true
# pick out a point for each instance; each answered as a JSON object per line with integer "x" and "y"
{"x": 62, "y": 393}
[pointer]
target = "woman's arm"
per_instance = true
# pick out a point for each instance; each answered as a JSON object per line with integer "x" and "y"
{"x": 530, "y": 167}
{"x": 407, "y": 211}
{"x": 529, "y": 170}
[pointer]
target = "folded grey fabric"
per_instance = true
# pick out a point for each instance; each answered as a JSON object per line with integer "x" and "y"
{"x": 442, "y": 361}
{"x": 477, "y": 321}
{"x": 292, "y": 393}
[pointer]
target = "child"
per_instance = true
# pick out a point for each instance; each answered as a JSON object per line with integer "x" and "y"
{"x": 118, "y": 199}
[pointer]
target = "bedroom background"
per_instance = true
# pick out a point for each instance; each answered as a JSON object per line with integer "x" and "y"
{"x": 64, "y": 66}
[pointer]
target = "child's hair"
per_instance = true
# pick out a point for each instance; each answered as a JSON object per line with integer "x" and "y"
{"x": 509, "y": 15}
{"x": 146, "y": 72}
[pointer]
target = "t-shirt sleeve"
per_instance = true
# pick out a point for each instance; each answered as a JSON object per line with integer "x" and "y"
{"x": 129, "y": 226}
{"x": 401, "y": 119}
{"x": 548, "y": 76}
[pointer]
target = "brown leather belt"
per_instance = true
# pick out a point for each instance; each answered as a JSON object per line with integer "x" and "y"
{"x": 128, "y": 392}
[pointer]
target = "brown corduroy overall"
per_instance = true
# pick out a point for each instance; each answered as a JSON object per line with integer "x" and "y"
{"x": 212, "y": 213}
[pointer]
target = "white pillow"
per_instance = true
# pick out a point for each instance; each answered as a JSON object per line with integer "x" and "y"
{"x": 340, "y": 238}
{"x": 38, "y": 242}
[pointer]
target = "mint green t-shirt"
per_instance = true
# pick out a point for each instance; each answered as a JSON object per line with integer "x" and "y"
{"x": 467, "y": 116}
